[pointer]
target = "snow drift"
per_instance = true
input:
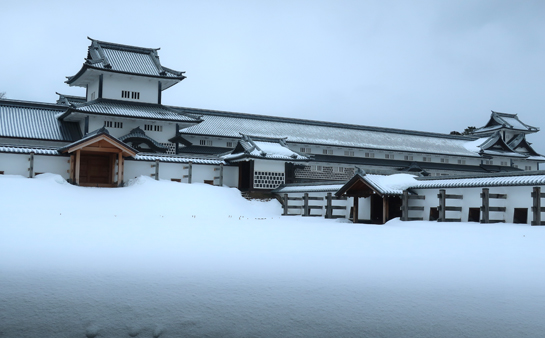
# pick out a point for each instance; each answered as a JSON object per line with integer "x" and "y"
{"x": 164, "y": 259}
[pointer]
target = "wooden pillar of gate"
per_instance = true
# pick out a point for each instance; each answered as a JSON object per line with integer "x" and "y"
{"x": 78, "y": 166}
{"x": 355, "y": 210}
{"x": 120, "y": 169}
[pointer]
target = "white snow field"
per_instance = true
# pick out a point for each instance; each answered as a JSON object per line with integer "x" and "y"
{"x": 165, "y": 259}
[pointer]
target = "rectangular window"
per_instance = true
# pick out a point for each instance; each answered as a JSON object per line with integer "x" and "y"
{"x": 135, "y": 95}
{"x": 125, "y": 94}
{"x": 316, "y": 168}
{"x": 1, "y": 172}
{"x": 504, "y": 163}
{"x": 229, "y": 144}
{"x": 408, "y": 157}
{"x": 348, "y": 153}
{"x": 205, "y": 142}
{"x": 426, "y": 159}
{"x": 112, "y": 124}
{"x": 389, "y": 156}
{"x": 527, "y": 167}
{"x": 444, "y": 160}
{"x": 176, "y": 180}
{"x": 148, "y": 127}
{"x": 370, "y": 155}
{"x": 305, "y": 150}
{"x": 461, "y": 161}
{"x": 340, "y": 169}
{"x": 158, "y": 128}
{"x": 328, "y": 151}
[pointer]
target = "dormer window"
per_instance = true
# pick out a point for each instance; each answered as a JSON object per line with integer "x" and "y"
{"x": 125, "y": 94}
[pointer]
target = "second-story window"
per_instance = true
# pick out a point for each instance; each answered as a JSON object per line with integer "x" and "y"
{"x": 112, "y": 124}
{"x": 205, "y": 142}
{"x": 305, "y": 150}
{"x": 126, "y": 94}
{"x": 349, "y": 153}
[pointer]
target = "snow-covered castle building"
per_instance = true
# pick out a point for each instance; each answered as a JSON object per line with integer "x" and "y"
{"x": 121, "y": 129}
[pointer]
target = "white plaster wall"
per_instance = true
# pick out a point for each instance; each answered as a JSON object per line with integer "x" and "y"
{"x": 169, "y": 128}
{"x": 272, "y": 166}
{"x": 230, "y": 176}
{"x": 14, "y": 164}
{"x": 113, "y": 84}
{"x": 52, "y": 164}
{"x": 364, "y": 208}
{"x": 92, "y": 88}
{"x": 134, "y": 169}
{"x": 517, "y": 197}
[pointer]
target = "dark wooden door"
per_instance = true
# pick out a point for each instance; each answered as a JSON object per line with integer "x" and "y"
{"x": 95, "y": 169}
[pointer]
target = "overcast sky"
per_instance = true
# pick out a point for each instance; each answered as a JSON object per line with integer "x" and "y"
{"x": 421, "y": 65}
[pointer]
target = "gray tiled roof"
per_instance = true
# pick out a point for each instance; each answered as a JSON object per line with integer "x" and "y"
{"x": 20, "y": 119}
{"x": 127, "y": 59}
{"x": 502, "y": 120}
{"x": 483, "y": 180}
{"x": 18, "y": 149}
{"x": 326, "y": 133}
{"x": 129, "y": 109}
{"x": 177, "y": 159}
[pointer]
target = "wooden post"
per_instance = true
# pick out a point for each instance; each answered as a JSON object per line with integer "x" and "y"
{"x": 405, "y": 206}
{"x": 329, "y": 205}
{"x": 221, "y": 175}
{"x": 355, "y": 210}
{"x": 536, "y": 208}
{"x": 285, "y": 204}
{"x": 485, "y": 208}
{"x": 442, "y": 204}
{"x": 112, "y": 171}
{"x": 78, "y": 165}
{"x": 305, "y": 205}
{"x": 120, "y": 169}
{"x": 31, "y": 166}
{"x": 384, "y": 209}
{"x": 156, "y": 166}
{"x": 189, "y": 172}
{"x": 72, "y": 169}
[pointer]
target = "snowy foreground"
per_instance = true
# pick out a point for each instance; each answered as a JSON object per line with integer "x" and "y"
{"x": 163, "y": 259}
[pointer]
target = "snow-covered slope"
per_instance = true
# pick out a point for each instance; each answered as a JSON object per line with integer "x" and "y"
{"x": 164, "y": 259}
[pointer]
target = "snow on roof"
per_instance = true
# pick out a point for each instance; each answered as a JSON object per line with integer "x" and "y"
{"x": 316, "y": 132}
{"x": 126, "y": 59}
{"x": 178, "y": 159}
{"x": 333, "y": 187}
{"x": 490, "y": 180}
{"x": 265, "y": 149}
{"x": 474, "y": 146}
{"x": 129, "y": 109}
{"x": 27, "y": 150}
{"x": 390, "y": 185}
{"x": 23, "y": 119}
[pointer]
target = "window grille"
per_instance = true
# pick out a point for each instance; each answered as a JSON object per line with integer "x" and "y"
{"x": 171, "y": 147}
{"x": 426, "y": 159}
{"x": 205, "y": 142}
{"x": 229, "y": 144}
{"x": 461, "y": 161}
{"x": 305, "y": 150}
{"x": 125, "y": 94}
{"x": 268, "y": 179}
{"x": 328, "y": 151}
{"x": 112, "y": 124}
{"x": 389, "y": 156}
{"x": 444, "y": 160}
{"x": 527, "y": 167}
{"x": 408, "y": 157}
{"x": 348, "y": 153}
{"x": 370, "y": 155}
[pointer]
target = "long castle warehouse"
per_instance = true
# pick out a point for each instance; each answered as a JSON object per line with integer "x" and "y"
{"x": 121, "y": 129}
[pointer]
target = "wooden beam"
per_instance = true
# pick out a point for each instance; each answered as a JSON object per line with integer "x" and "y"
{"x": 72, "y": 168}
{"x": 112, "y": 168}
{"x": 78, "y": 165}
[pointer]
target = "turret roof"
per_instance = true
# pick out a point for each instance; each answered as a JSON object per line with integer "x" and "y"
{"x": 114, "y": 57}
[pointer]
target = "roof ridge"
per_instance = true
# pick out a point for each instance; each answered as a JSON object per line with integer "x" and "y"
{"x": 113, "y": 45}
